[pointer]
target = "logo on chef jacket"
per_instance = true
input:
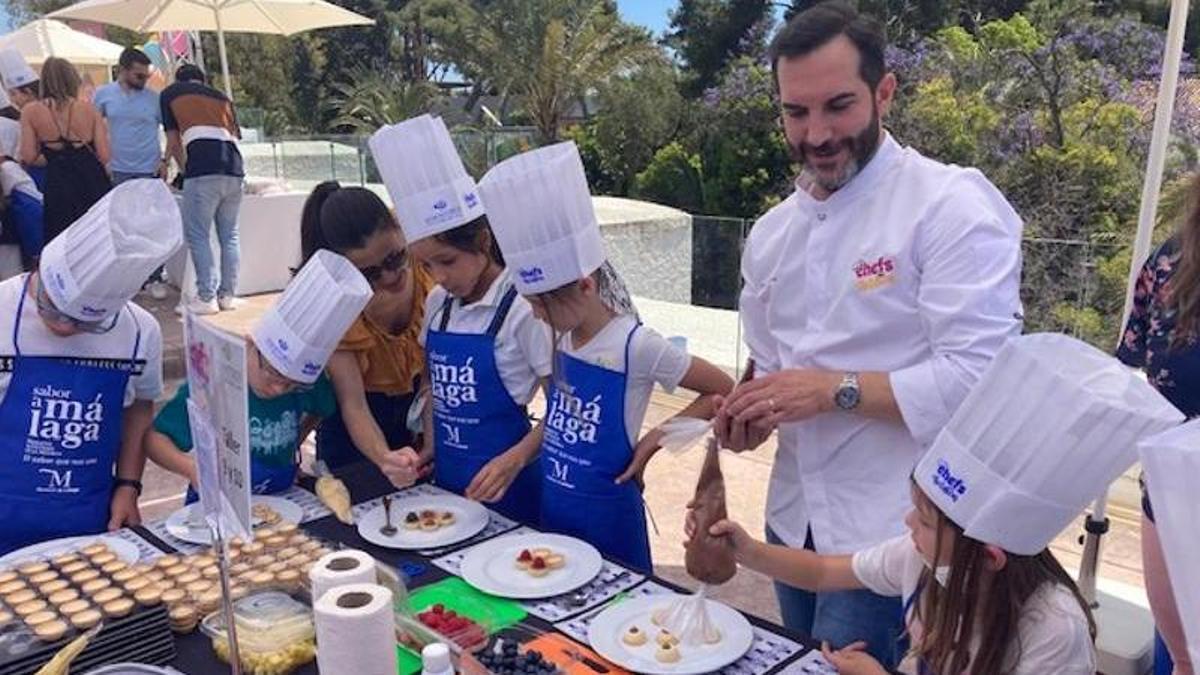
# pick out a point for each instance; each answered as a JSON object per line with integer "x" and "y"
{"x": 872, "y": 274}
{"x": 532, "y": 275}
{"x": 952, "y": 486}
{"x": 452, "y": 384}
{"x": 58, "y": 419}
{"x": 575, "y": 419}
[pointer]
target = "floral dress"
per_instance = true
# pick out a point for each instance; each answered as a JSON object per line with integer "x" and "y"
{"x": 1173, "y": 370}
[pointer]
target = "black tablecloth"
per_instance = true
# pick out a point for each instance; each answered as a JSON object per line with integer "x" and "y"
{"x": 196, "y": 657}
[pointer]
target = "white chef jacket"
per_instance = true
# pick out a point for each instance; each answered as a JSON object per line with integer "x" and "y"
{"x": 913, "y": 268}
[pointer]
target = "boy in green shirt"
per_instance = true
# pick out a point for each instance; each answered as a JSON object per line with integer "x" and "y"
{"x": 289, "y": 394}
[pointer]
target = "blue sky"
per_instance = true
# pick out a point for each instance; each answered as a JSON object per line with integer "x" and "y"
{"x": 649, "y": 13}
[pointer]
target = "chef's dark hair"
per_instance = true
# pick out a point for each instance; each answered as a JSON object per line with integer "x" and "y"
{"x": 473, "y": 237}
{"x": 817, "y": 26}
{"x": 341, "y": 219}
{"x": 190, "y": 72}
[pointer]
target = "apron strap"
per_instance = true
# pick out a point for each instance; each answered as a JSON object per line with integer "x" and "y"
{"x": 20, "y": 310}
{"x": 628, "y": 346}
{"x": 502, "y": 311}
{"x": 137, "y": 338}
{"x": 449, "y": 303}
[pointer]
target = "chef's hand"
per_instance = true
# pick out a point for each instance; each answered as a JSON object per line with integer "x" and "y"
{"x": 739, "y": 539}
{"x": 852, "y": 660}
{"x": 646, "y": 448}
{"x": 123, "y": 509}
{"x": 786, "y": 396}
{"x": 735, "y": 435}
{"x": 494, "y": 479}
{"x": 403, "y": 467}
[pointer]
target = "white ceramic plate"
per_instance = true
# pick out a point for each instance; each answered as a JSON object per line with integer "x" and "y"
{"x": 606, "y": 630}
{"x": 125, "y": 550}
{"x": 187, "y": 524}
{"x": 492, "y": 566}
{"x": 469, "y": 519}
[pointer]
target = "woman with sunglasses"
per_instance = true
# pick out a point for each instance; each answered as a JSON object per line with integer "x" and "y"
{"x": 376, "y": 370}
{"x": 288, "y": 392}
{"x": 486, "y": 353}
{"x": 80, "y": 368}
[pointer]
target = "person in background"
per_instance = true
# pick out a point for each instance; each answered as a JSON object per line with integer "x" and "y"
{"x": 202, "y": 137}
{"x": 68, "y": 136}
{"x": 134, "y": 118}
{"x": 1162, "y": 337}
{"x": 82, "y": 367}
{"x": 23, "y": 206}
{"x": 485, "y": 353}
{"x": 376, "y": 370}
{"x": 289, "y": 393}
{"x": 1049, "y": 426}
{"x": 874, "y": 296}
{"x": 606, "y": 364}
{"x": 20, "y": 86}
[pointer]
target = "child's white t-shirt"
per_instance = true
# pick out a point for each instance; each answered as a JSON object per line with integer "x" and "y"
{"x": 652, "y": 359}
{"x": 1053, "y": 630}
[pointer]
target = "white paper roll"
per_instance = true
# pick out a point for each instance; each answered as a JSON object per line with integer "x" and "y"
{"x": 339, "y": 568}
{"x": 356, "y": 631}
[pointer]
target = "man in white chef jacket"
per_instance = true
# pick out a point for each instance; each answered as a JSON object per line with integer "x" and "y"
{"x": 875, "y": 295}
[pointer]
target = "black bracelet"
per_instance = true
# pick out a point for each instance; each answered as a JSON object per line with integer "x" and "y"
{"x": 128, "y": 482}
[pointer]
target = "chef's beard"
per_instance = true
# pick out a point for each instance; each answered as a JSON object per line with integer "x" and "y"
{"x": 861, "y": 146}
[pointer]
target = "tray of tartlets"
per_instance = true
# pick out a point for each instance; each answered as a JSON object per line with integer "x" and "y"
{"x": 45, "y": 602}
{"x": 528, "y": 566}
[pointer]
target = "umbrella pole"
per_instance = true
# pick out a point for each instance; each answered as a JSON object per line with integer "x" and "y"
{"x": 1096, "y": 523}
{"x": 224, "y": 57}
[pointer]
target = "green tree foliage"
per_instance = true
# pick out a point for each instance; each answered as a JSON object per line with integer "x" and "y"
{"x": 707, "y": 35}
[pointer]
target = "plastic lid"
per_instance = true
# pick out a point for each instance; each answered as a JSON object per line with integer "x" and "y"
{"x": 266, "y": 621}
{"x": 435, "y": 660}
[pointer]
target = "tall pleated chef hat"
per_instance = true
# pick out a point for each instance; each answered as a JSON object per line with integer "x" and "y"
{"x": 101, "y": 261}
{"x": 541, "y": 212}
{"x": 1172, "y": 463}
{"x": 1050, "y": 424}
{"x": 430, "y": 189}
{"x": 299, "y": 333}
{"x": 14, "y": 70}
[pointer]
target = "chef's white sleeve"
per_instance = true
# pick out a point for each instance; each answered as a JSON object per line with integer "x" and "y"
{"x": 969, "y": 254}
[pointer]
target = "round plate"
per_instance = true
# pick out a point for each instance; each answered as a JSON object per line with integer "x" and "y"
{"x": 125, "y": 550}
{"x": 188, "y": 524}
{"x": 469, "y": 519}
{"x": 491, "y": 567}
{"x": 606, "y": 630}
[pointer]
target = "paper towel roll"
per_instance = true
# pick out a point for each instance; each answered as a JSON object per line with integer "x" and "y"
{"x": 356, "y": 631}
{"x": 339, "y": 568}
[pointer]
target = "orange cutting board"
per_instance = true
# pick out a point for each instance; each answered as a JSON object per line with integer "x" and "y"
{"x": 562, "y": 650}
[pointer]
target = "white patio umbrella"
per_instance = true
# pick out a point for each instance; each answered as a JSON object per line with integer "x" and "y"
{"x": 275, "y": 17}
{"x": 1164, "y": 110}
{"x": 41, "y": 39}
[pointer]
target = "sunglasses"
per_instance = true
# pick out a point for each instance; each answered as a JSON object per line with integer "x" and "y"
{"x": 50, "y": 313}
{"x": 396, "y": 261}
{"x": 276, "y": 377}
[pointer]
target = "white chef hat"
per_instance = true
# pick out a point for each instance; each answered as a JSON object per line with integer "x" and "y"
{"x": 100, "y": 262}
{"x": 1172, "y": 463}
{"x": 541, "y": 212}
{"x": 10, "y": 138}
{"x": 424, "y": 175}
{"x": 14, "y": 70}
{"x": 302, "y": 329}
{"x": 1050, "y": 424}
{"x": 5, "y": 101}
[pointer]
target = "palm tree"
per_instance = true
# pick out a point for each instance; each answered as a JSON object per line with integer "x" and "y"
{"x": 546, "y": 53}
{"x": 373, "y": 99}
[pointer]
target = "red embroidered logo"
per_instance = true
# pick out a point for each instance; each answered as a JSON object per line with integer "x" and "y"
{"x": 874, "y": 274}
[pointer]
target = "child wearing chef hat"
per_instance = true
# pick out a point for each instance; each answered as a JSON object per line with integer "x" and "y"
{"x": 606, "y": 363}
{"x": 24, "y": 205}
{"x": 1050, "y": 424}
{"x": 486, "y": 354}
{"x": 80, "y": 368}
{"x": 19, "y": 80}
{"x": 288, "y": 391}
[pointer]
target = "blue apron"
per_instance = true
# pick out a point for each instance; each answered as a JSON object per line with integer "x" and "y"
{"x": 475, "y": 418}
{"x": 585, "y": 448}
{"x": 60, "y": 434}
{"x": 265, "y": 479}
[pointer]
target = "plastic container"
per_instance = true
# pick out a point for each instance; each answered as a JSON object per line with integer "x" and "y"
{"x": 275, "y": 633}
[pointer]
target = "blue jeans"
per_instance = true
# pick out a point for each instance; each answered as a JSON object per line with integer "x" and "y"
{"x": 842, "y": 617}
{"x": 207, "y": 199}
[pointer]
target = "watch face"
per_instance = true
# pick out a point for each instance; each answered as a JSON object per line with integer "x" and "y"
{"x": 847, "y": 398}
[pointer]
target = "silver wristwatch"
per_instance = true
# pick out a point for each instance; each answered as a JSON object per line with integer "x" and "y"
{"x": 848, "y": 394}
